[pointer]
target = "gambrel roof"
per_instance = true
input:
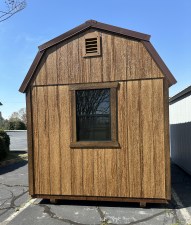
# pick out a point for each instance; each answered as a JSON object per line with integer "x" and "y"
{"x": 143, "y": 38}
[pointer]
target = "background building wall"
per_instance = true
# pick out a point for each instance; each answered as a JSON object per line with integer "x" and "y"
{"x": 180, "y": 131}
{"x": 180, "y": 112}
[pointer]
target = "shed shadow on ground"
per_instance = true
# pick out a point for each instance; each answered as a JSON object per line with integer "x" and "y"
{"x": 19, "y": 151}
{"x": 171, "y": 205}
{"x": 181, "y": 184}
{"x": 12, "y": 167}
{"x": 108, "y": 204}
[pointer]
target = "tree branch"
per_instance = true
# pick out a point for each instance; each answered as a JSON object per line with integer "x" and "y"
{"x": 13, "y": 6}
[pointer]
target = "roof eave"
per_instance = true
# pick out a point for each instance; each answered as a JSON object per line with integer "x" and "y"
{"x": 158, "y": 60}
{"x": 183, "y": 94}
{"x": 64, "y": 36}
{"x": 121, "y": 31}
{"x": 33, "y": 67}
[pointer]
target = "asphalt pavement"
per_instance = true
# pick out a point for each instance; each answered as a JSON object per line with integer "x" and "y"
{"x": 18, "y": 209}
{"x": 13, "y": 188}
{"x": 18, "y": 140}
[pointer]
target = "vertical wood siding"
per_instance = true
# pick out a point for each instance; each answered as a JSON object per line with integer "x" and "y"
{"x": 122, "y": 59}
{"x": 167, "y": 140}
{"x": 135, "y": 169}
{"x": 134, "y": 143}
{"x": 30, "y": 142}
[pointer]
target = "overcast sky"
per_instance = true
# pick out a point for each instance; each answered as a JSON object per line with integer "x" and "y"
{"x": 167, "y": 21}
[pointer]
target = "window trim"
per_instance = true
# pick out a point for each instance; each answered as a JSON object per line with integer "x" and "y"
{"x": 113, "y": 105}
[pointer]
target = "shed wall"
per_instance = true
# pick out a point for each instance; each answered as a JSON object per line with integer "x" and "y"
{"x": 121, "y": 59}
{"x": 125, "y": 171}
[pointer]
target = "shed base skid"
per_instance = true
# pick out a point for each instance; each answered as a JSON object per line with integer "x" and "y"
{"x": 143, "y": 201}
{"x": 53, "y": 201}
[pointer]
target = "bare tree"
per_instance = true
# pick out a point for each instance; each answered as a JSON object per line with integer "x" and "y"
{"x": 20, "y": 115}
{"x": 10, "y": 8}
{"x": 92, "y": 102}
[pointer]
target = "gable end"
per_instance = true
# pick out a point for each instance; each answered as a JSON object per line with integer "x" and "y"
{"x": 143, "y": 38}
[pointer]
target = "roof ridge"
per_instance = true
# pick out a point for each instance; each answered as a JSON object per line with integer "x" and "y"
{"x": 91, "y": 21}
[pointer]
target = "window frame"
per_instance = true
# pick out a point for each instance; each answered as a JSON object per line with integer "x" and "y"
{"x": 113, "y": 86}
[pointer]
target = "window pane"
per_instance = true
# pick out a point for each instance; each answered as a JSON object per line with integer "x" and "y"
{"x": 93, "y": 115}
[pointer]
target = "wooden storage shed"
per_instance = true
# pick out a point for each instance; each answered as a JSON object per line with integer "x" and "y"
{"x": 98, "y": 122}
{"x": 180, "y": 129}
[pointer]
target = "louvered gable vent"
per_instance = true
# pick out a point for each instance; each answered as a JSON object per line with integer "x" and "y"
{"x": 92, "y": 44}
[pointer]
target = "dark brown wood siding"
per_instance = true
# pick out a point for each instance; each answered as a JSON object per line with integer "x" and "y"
{"x": 167, "y": 140}
{"x": 30, "y": 142}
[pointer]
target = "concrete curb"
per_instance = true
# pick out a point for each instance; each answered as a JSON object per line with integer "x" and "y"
{"x": 12, "y": 161}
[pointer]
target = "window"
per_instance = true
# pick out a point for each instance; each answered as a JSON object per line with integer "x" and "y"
{"x": 92, "y": 45}
{"x": 94, "y": 115}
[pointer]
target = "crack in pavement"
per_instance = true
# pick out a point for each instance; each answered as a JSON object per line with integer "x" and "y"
{"x": 15, "y": 185}
{"x": 174, "y": 220}
{"x": 173, "y": 211}
{"x": 7, "y": 200}
{"x": 145, "y": 219}
{"x": 12, "y": 198}
{"x": 135, "y": 222}
{"x": 48, "y": 211}
{"x": 104, "y": 220}
{"x": 12, "y": 203}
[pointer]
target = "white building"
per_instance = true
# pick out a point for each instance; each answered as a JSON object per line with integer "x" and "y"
{"x": 180, "y": 129}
